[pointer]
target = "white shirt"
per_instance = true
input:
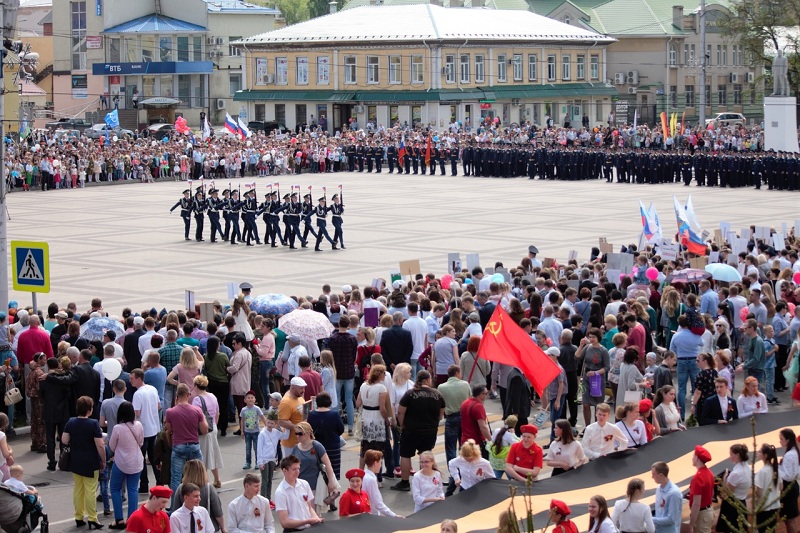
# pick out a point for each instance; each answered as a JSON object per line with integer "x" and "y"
{"x": 789, "y": 469}
{"x": 98, "y": 367}
{"x": 179, "y": 520}
{"x": 370, "y": 485}
{"x": 16, "y": 484}
{"x": 268, "y": 440}
{"x": 144, "y": 341}
{"x": 118, "y": 353}
{"x": 748, "y": 405}
{"x": 473, "y": 329}
{"x": 632, "y": 516}
{"x": 571, "y": 453}
{"x": 470, "y": 473}
{"x": 295, "y": 500}
{"x": 770, "y": 492}
{"x": 598, "y": 441}
{"x": 146, "y": 403}
{"x": 294, "y": 356}
{"x": 250, "y": 516}
{"x": 424, "y": 487}
{"x": 739, "y": 479}
{"x": 419, "y": 333}
{"x": 637, "y": 435}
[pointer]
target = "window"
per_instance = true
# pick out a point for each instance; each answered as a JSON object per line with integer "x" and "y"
{"x": 690, "y": 96}
{"x": 722, "y": 94}
{"x": 165, "y": 49}
{"x": 673, "y": 95}
{"x": 350, "y": 69}
{"x": 301, "y": 78}
{"x": 752, "y": 95}
{"x": 502, "y": 68}
{"x": 235, "y": 83}
{"x": 734, "y": 55}
{"x": 373, "y": 70}
{"x": 147, "y": 44}
{"x": 692, "y": 56}
{"x": 301, "y": 113}
{"x": 78, "y": 35}
{"x": 184, "y": 88}
{"x": 464, "y": 68}
{"x": 551, "y": 68}
{"x": 395, "y": 67}
{"x": 516, "y": 64}
{"x": 183, "y": 49}
{"x": 280, "y": 113}
{"x": 708, "y": 55}
{"x": 737, "y": 94}
{"x": 594, "y": 67}
{"x": 724, "y": 55}
{"x": 673, "y": 55}
{"x": 114, "y": 51}
{"x": 197, "y": 48}
{"x": 686, "y": 55}
{"x": 232, "y": 50}
{"x": 450, "y": 69}
{"x": 533, "y": 67}
{"x": 323, "y": 70}
{"x": 580, "y": 68}
{"x": 281, "y": 71}
{"x": 417, "y": 74}
{"x": 719, "y": 55}
{"x": 707, "y": 95}
{"x": 261, "y": 112}
{"x": 567, "y": 20}
{"x": 479, "y": 72}
{"x": 566, "y": 67}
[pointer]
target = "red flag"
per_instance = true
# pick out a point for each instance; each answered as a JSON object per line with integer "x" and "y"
{"x": 505, "y": 342}
{"x": 428, "y": 151}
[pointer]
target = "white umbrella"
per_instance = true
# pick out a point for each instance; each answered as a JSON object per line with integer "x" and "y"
{"x": 723, "y": 272}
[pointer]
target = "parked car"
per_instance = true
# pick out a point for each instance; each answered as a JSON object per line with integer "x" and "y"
{"x": 160, "y": 129}
{"x": 69, "y": 124}
{"x": 727, "y": 119}
{"x": 266, "y": 127}
{"x": 99, "y": 130}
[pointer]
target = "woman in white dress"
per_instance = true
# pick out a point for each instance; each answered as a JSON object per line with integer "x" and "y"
{"x": 426, "y": 485}
{"x": 599, "y": 520}
{"x": 469, "y": 468}
{"x": 209, "y": 443}
{"x": 240, "y": 311}
{"x": 630, "y": 515}
{"x": 374, "y": 414}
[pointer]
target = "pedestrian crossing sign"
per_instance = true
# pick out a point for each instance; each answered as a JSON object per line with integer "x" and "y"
{"x": 30, "y": 262}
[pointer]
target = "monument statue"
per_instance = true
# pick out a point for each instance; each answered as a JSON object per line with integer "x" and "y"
{"x": 780, "y": 69}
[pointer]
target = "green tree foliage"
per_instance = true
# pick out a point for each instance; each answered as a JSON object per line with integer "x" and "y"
{"x": 293, "y": 11}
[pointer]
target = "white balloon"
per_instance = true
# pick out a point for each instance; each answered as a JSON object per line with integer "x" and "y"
{"x": 115, "y": 138}
{"x": 112, "y": 368}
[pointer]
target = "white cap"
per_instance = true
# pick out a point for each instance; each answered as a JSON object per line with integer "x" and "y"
{"x": 397, "y": 284}
{"x": 138, "y": 321}
{"x": 553, "y": 351}
{"x": 297, "y": 381}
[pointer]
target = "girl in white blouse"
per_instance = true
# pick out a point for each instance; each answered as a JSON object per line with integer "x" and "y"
{"x": 630, "y": 515}
{"x": 768, "y": 488}
{"x": 565, "y": 452}
{"x": 789, "y": 471}
{"x": 469, "y": 468}
{"x": 631, "y": 426}
{"x": 751, "y": 401}
{"x": 426, "y": 485}
{"x": 369, "y": 484}
{"x": 599, "y": 521}
{"x": 737, "y": 482}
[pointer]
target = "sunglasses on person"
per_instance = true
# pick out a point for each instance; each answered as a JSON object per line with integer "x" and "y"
{"x": 299, "y": 434}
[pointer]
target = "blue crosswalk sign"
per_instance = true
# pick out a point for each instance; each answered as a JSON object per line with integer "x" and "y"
{"x": 30, "y": 264}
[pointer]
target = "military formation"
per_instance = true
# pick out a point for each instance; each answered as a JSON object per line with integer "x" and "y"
{"x": 240, "y": 216}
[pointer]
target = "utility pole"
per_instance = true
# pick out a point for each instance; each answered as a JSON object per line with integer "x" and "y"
{"x": 703, "y": 62}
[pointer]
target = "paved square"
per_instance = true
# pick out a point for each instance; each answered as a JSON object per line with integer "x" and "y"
{"x": 120, "y": 242}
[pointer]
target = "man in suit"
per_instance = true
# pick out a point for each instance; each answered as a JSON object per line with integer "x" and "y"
{"x": 720, "y": 408}
{"x": 130, "y": 344}
{"x": 88, "y": 381}
{"x": 396, "y": 343}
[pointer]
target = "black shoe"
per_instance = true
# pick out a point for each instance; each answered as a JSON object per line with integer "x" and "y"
{"x": 99, "y": 497}
{"x": 144, "y": 489}
{"x": 95, "y": 525}
{"x": 317, "y": 250}
{"x": 51, "y": 467}
{"x": 234, "y": 243}
{"x": 342, "y": 247}
{"x": 187, "y": 239}
{"x": 237, "y": 432}
{"x": 334, "y": 247}
{"x": 80, "y": 523}
{"x": 403, "y": 485}
{"x": 250, "y": 244}
{"x": 388, "y": 475}
{"x": 223, "y": 433}
{"x": 273, "y": 245}
{"x": 293, "y": 247}
{"x": 304, "y": 245}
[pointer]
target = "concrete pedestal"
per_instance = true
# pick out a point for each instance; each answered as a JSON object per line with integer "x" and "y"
{"x": 780, "y": 123}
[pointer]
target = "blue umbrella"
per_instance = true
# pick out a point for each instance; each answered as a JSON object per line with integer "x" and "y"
{"x": 272, "y": 304}
{"x": 94, "y": 328}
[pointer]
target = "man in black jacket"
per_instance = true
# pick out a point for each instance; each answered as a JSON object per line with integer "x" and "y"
{"x": 713, "y": 412}
{"x": 130, "y": 344}
{"x": 87, "y": 382}
{"x": 396, "y": 343}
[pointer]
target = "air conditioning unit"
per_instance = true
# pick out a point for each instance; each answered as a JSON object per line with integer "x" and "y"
{"x": 359, "y": 109}
{"x": 269, "y": 79}
{"x": 734, "y": 77}
{"x": 751, "y": 77}
{"x": 619, "y": 78}
{"x": 209, "y": 40}
{"x": 631, "y": 90}
{"x": 515, "y": 101}
{"x": 633, "y": 77}
{"x": 220, "y": 104}
{"x": 220, "y": 53}
{"x": 218, "y": 40}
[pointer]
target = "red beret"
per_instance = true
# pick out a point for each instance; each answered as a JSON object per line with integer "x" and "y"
{"x": 702, "y": 454}
{"x": 645, "y": 405}
{"x": 560, "y": 507}
{"x": 529, "y": 428}
{"x": 354, "y": 472}
{"x": 160, "y": 491}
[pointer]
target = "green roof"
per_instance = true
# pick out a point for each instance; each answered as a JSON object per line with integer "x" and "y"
{"x": 501, "y": 92}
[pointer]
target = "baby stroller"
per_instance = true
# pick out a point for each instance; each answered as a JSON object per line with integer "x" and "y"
{"x": 21, "y": 513}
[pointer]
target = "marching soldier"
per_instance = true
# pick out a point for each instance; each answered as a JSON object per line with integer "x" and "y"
{"x": 337, "y": 209}
{"x": 275, "y": 207}
{"x": 295, "y": 211}
{"x": 185, "y": 204}
{"x": 308, "y": 209}
{"x": 287, "y": 225}
{"x": 263, "y": 210}
{"x": 321, "y": 211}
{"x": 234, "y": 206}
{"x": 214, "y": 204}
{"x": 199, "y": 207}
{"x": 226, "y": 213}
{"x": 249, "y": 210}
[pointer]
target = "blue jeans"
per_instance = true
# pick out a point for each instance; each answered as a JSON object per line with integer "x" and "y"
{"x": 758, "y": 373}
{"x": 180, "y": 454}
{"x": 452, "y": 436}
{"x": 131, "y": 481}
{"x": 103, "y": 479}
{"x": 415, "y": 367}
{"x": 555, "y": 414}
{"x": 770, "y": 383}
{"x": 250, "y": 443}
{"x": 346, "y": 397}
{"x": 687, "y": 370}
{"x": 499, "y": 473}
{"x": 169, "y": 397}
{"x": 263, "y": 379}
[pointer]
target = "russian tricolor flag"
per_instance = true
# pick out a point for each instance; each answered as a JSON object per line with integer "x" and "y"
{"x": 231, "y": 125}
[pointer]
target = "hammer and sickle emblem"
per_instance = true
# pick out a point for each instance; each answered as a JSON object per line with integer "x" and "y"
{"x": 494, "y": 327}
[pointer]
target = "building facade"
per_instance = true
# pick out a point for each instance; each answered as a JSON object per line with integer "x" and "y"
{"x": 424, "y": 64}
{"x": 172, "y": 53}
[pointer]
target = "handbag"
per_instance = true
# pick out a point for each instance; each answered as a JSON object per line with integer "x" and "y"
{"x": 632, "y": 396}
{"x": 64, "y": 459}
{"x": 12, "y": 396}
{"x": 209, "y": 420}
{"x": 358, "y": 426}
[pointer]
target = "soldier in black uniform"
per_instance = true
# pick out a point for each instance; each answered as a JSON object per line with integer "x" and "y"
{"x": 275, "y": 208}
{"x": 378, "y": 153}
{"x": 249, "y": 210}
{"x": 226, "y": 213}
{"x": 263, "y": 211}
{"x": 453, "y": 155}
{"x": 337, "y": 209}
{"x": 308, "y": 209}
{"x": 214, "y": 204}
{"x": 321, "y": 211}
{"x": 295, "y": 211}
{"x": 235, "y": 206}
{"x": 391, "y": 157}
{"x": 360, "y": 155}
{"x": 369, "y": 155}
{"x": 423, "y": 153}
{"x": 351, "y": 157}
{"x": 466, "y": 159}
{"x": 199, "y": 208}
{"x": 185, "y": 204}
{"x": 414, "y": 151}
{"x": 287, "y": 226}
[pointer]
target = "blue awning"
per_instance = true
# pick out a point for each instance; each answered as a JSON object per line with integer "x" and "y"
{"x": 156, "y": 24}
{"x": 153, "y": 67}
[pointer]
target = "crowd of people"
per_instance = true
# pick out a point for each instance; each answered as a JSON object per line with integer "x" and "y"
{"x": 398, "y": 361}
{"x": 724, "y": 156}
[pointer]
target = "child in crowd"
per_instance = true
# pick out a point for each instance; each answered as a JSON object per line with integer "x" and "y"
{"x": 16, "y": 484}
{"x": 249, "y": 426}
{"x": 267, "y": 451}
{"x": 770, "y": 349}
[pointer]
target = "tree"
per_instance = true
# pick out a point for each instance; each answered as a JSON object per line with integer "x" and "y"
{"x": 319, "y": 8}
{"x": 293, "y": 11}
{"x": 761, "y": 28}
